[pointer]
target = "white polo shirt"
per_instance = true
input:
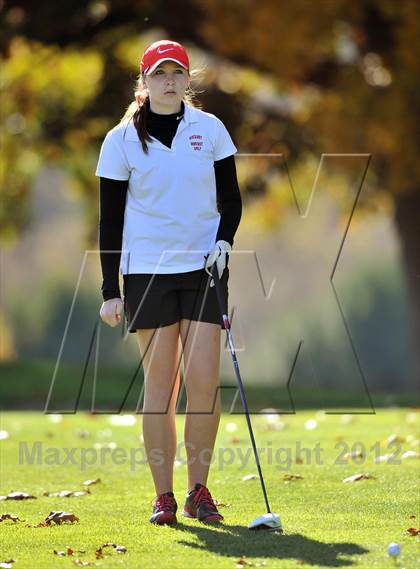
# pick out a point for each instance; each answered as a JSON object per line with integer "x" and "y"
{"x": 171, "y": 217}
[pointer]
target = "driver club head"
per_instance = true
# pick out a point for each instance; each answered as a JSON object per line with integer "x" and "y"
{"x": 270, "y": 522}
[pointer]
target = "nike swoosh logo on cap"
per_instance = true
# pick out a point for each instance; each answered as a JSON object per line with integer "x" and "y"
{"x": 164, "y": 50}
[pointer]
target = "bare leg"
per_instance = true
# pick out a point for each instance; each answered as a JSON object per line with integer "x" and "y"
{"x": 159, "y": 349}
{"x": 201, "y": 346}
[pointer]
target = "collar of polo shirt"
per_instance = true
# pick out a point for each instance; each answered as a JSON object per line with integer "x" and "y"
{"x": 190, "y": 116}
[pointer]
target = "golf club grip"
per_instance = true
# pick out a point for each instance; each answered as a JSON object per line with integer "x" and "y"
{"x": 218, "y": 288}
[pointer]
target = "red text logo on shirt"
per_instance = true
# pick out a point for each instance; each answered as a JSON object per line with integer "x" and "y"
{"x": 196, "y": 141}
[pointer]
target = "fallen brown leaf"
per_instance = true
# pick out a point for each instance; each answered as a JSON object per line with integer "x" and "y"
{"x": 90, "y": 482}
{"x": 69, "y": 551}
{"x": 280, "y": 426}
{"x": 242, "y": 562}
{"x": 410, "y": 454}
{"x": 394, "y": 438}
{"x": 83, "y": 563}
{"x": 383, "y": 458}
{"x": 67, "y": 493}
{"x": 7, "y": 564}
{"x": 82, "y": 434}
{"x": 292, "y": 477}
{"x": 249, "y": 477}
{"x": 357, "y": 477}
{"x": 17, "y": 496}
{"x": 414, "y": 531}
{"x": 10, "y": 517}
{"x": 236, "y": 440}
{"x": 118, "y": 549}
{"x": 220, "y": 504}
{"x": 354, "y": 454}
{"x": 58, "y": 517}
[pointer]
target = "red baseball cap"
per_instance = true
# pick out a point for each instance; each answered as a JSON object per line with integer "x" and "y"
{"x": 161, "y": 51}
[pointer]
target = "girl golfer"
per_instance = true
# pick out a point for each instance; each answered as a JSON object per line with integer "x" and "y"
{"x": 169, "y": 209}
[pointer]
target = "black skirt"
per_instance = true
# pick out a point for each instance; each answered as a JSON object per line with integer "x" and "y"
{"x": 156, "y": 300}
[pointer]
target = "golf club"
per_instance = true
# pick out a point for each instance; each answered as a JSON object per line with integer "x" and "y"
{"x": 268, "y": 521}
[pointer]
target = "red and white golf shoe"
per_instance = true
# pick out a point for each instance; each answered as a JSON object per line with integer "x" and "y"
{"x": 164, "y": 509}
{"x": 200, "y": 504}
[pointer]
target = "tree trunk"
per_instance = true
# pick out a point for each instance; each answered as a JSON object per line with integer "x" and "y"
{"x": 407, "y": 219}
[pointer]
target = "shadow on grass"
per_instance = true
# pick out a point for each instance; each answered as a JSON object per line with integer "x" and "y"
{"x": 238, "y": 541}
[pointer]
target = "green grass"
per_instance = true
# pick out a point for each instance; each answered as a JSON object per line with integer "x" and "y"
{"x": 25, "y": 385}
{"x": 327, "y": 523}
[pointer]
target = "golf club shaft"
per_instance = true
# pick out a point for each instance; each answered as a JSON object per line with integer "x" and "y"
{"x": 226, "y": 324}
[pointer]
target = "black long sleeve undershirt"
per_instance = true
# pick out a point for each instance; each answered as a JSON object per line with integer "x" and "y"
{"x": 113, "y": 194}
{"x": 229, "y": 202}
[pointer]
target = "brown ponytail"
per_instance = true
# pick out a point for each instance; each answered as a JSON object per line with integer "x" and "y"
{"x": 139, "y": 120}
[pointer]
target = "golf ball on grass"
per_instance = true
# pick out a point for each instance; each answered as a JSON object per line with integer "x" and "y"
{"x": 394, "y": 549}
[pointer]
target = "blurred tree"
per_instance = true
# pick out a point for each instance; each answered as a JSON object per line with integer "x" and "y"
{"x": 293, "y": 77}
{"x": 47, "y": 90}
{"x": 362, "y": 60}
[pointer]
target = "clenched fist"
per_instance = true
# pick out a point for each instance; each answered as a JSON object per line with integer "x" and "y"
{"x": 111, "y": 311}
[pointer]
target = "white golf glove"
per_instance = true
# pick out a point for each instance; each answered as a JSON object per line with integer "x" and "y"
{"x": 111, "y": 311}
{"x": 219, "y": 255}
